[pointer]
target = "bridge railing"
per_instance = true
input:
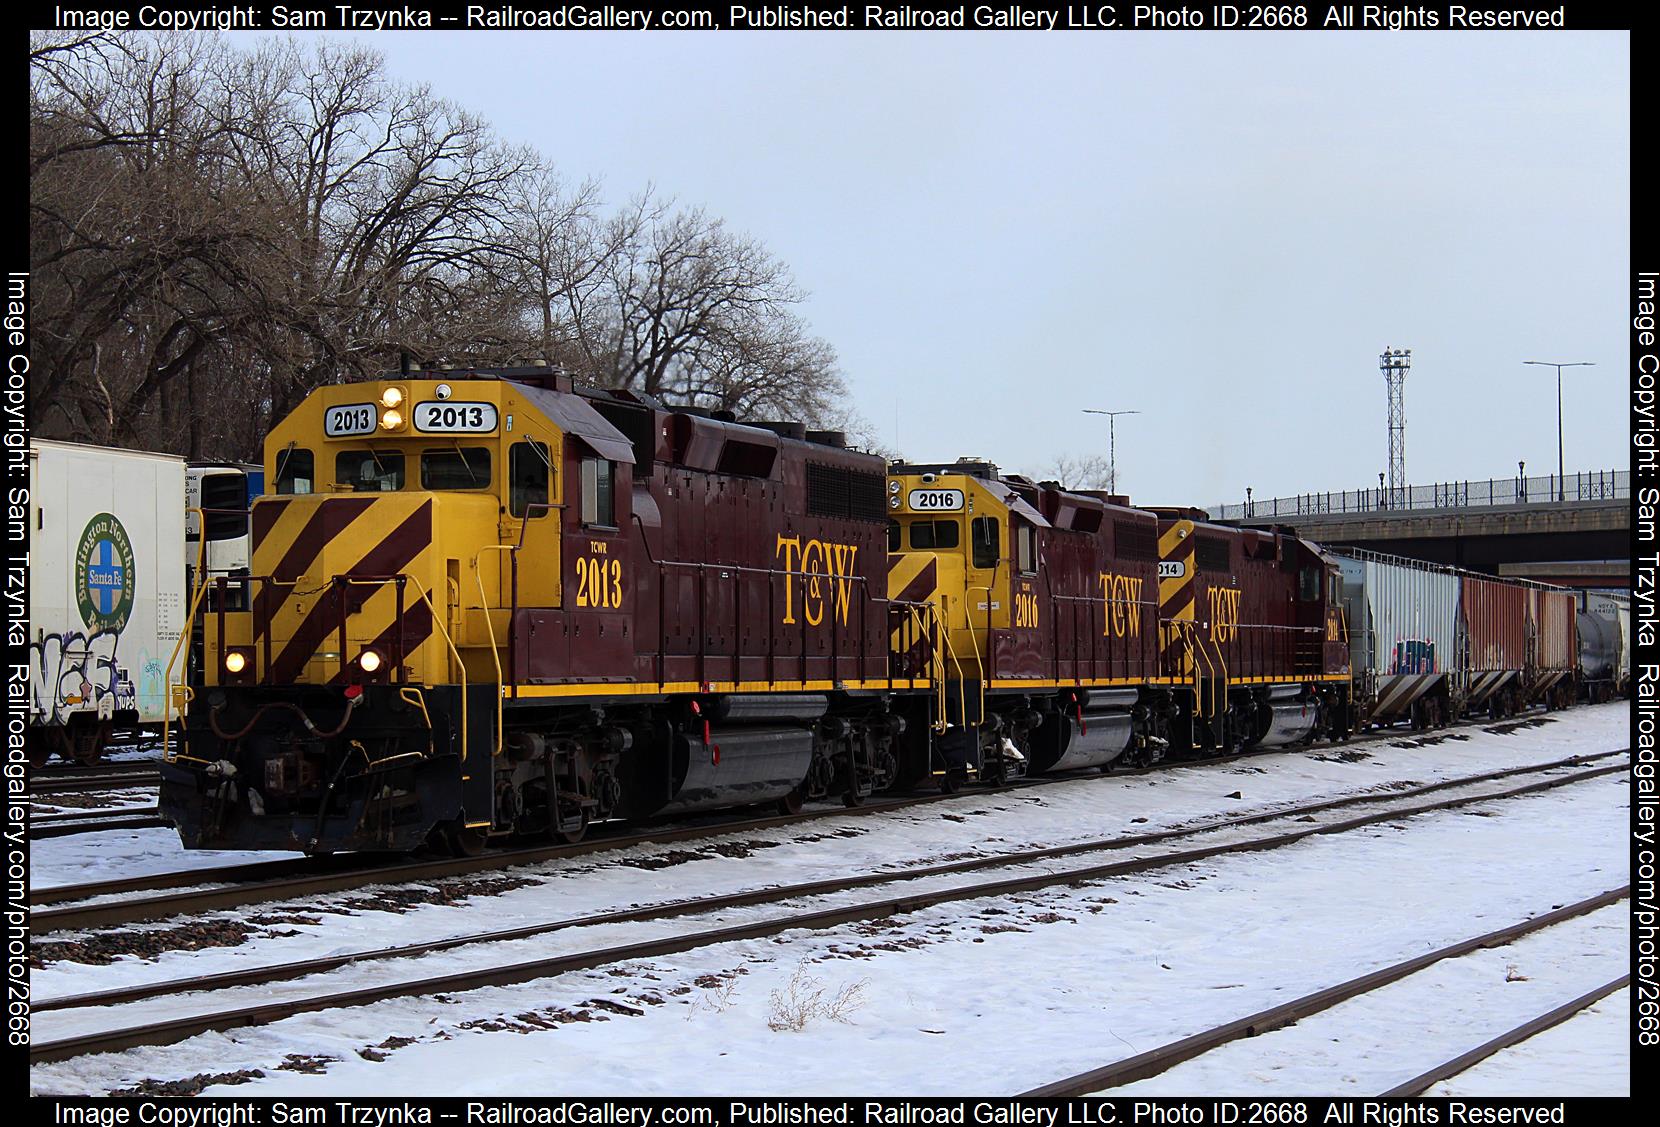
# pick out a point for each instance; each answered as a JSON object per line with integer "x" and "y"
{"x": 1594, "y": 485}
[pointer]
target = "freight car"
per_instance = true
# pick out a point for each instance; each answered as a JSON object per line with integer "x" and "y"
{"x": 483, "y": 604}
{"x": 106, "y": 593}
{"x": 1604, "y": 623}
{"x": 1431, "y": 642}
{"x": 115, "y": 547}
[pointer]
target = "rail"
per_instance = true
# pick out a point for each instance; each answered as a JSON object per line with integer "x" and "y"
{"x": 1595, "y": 485}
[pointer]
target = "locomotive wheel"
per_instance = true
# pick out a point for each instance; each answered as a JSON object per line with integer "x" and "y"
{"x": 572, "y": 836}
{"x": 952, "y": 781}
{"x": 790, "y": 804}
{"x": 853, "y": 798}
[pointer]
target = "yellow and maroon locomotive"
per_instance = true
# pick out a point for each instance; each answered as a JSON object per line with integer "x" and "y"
{"x": 487, "y": 603}
{"x": 1078, "y": 631}
{"x": 484, "y": 604}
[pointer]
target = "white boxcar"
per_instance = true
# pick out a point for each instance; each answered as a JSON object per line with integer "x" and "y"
{"x": 106, "y": 592}
{"x": 1403, "y": 631}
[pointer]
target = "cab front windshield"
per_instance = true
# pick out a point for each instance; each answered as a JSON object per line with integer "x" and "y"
{"x": 379, "y": 470}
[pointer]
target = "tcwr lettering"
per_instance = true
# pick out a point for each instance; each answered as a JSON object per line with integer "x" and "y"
{"x": 825, "y": 570}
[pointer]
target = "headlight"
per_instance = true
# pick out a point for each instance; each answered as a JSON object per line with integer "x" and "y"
{"x": 235, "y": 662}
{"x": 391, "y": 397}
{"x": 391, "y": 420}
{"x": 369, "y": 660}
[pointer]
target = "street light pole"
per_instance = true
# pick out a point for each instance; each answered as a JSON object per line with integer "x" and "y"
{"x": 1112, "y": 443}
{"x": 1561, "y": 478}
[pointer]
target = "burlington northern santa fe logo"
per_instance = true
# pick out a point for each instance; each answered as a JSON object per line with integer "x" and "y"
{"x": 104, "y": 574}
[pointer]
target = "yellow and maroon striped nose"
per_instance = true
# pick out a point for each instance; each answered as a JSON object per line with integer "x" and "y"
{"x": 304, "y": 547}
{"x": 913, "y": 577}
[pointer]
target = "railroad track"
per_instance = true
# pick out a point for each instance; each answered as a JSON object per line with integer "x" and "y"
{"x": 237, "y": 885}
{"x": 175, "y": 1029}
{"x": 90, "y": 821}
{"x": 79, "y": 780}
{"x": 1421, "y": 1083}
{"x": 1161, "y": 1059}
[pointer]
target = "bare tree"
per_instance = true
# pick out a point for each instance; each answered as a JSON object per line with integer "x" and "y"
{"x": 1078, "y": 471}
{"x": 215, "y": 232}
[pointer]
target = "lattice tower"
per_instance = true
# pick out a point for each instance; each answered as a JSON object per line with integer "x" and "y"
{"x": 1395, "y": 363}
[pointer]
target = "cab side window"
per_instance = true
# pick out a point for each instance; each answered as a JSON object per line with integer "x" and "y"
{"x": 529, "y": 472}
{"x": 599, "y": 498}
{"x": 296, "y": 471}
{"x": 986, "y": 536}
{"x": 1308, "y": 585}
{"x": 1025, "y": 544}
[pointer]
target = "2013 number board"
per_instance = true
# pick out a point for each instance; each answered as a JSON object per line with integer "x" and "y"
{"x": 350, "y": 420}
{"x": 435, "y": 417}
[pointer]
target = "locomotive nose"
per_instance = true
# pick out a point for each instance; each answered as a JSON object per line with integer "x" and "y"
{"x": 347, "y": 576}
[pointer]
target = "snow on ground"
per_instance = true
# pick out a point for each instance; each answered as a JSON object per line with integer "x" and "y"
{"x": 1103, "y": 805}
{"x": 1369, "y": 1044}
{"x": 1587, "y": 1055}
{"x": 114, "y": 854}
{"x": 1051, "y": 983}
{"x": 1081, "y": 810}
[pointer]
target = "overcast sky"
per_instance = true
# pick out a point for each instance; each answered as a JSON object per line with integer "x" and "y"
{"x": 1221, "y": 230}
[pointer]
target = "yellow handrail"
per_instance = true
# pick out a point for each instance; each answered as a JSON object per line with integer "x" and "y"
{"x": 184, "y": 632}
{"x": 490, "y": 627}
{"x": 426, "y": 596}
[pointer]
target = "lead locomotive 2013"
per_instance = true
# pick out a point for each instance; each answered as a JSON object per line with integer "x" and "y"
{"x": 487, "y": 605}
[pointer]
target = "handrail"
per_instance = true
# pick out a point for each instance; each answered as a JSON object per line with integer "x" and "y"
{"x": 185, "y": 631}
{"x": 490, "y": 627}
{"x": 438, "y": 621}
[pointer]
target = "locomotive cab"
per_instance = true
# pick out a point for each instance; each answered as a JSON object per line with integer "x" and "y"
{"x": 415, "y": 534}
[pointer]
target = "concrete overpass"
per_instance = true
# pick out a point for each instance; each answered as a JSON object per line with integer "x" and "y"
{"x": 1576, "y": 533}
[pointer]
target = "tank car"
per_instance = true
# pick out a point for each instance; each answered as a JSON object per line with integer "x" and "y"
{"x": 489, "y": 603}
{"x": 1604, "y": 650}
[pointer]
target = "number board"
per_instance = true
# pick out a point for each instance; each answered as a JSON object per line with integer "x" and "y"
{"x": 1172, "y": 569}
{"x": 345, "y": 422}
{"x": 935, "y": 500}
{"x": 434, "y": 417}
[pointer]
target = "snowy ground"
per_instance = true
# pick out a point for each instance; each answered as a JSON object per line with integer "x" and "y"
{"x": 1367, "y": 1045}
{"x": 1587, "y": 1055}
{"x": 1054, "y": 982}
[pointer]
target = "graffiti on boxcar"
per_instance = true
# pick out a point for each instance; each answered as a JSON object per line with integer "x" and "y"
{"x": 77, "y": 672}
{"x": 1414, "y": 655}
